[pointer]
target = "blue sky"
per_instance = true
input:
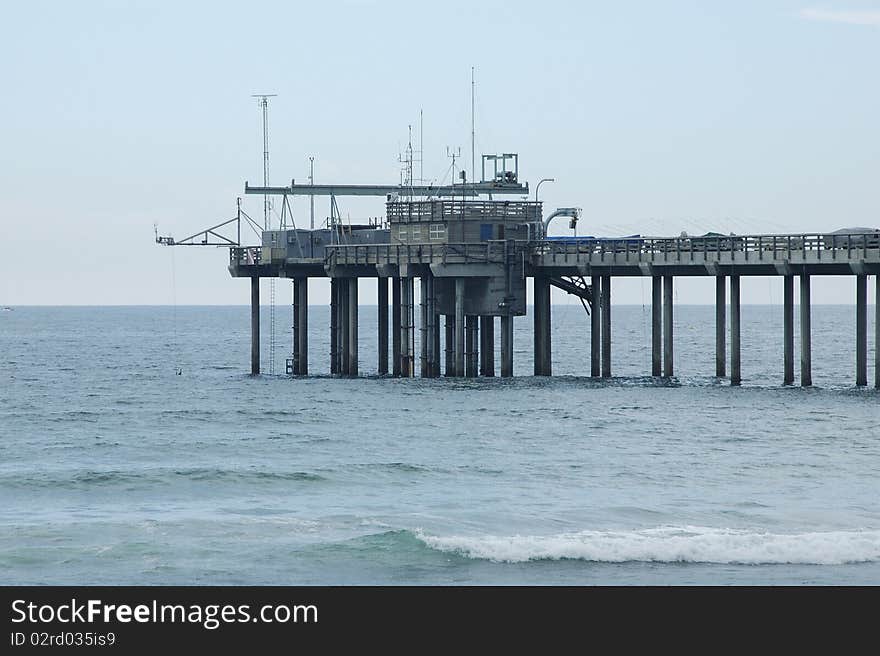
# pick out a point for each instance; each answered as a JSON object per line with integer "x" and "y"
{"x": 654, "y": 117}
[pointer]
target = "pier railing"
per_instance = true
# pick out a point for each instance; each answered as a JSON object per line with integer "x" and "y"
{"x": 746, "y": 248}
{"x": 245, "y": 255}
{"x": 372, "y": 254}
{"x": 442, "y": 210}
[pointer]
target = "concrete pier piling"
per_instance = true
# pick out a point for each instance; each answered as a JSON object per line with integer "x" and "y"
{"x": 861, "y": 330}
{"x": 668, "y": 357}
{"x": 406, "y": 328}
{"x": 877, "y": 332}
{"x": 255, "y": 326}
{"x": 344, "y": 344}
{"x": 424, "y": 337}
{"x": 596, "y": 328}
{"x": 459, "y": 327}
{"x": 396, "y": 327}
{"x": 334, "y": 326}
{"x": 720, "y": 326}
{"x": 788, "y": 329}
{"x": 542, "y": 326}
{"x": 382, "y": 325}
{"x": 806, "y": 349}
{"x": 450, "y": 345}
{"x": 487, "y": 346}
{"x": 656, "y": 325}
{"x": 301, "y": 326}
{"x": 605, "y": 297}
{"x": 430, "y": 336}
{"x": 506, "y": 346}
{"x": 471, "y": 329}
{"x": 353, "y": 327}
{"x": 735, "y": 345}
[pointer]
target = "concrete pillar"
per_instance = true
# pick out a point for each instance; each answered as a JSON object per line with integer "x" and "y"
{"x": 788, "y": 329}
{"x": 435, "y": 373}
{"x": 334, "y": 326}
{"x": 720, "y": 326}
{"x": 506, "y": 346}
{"x": 255, "y": 326}
{"x": 487, "y": 346}
{"x": 407, "y": 365}
{"x": 344, "y": 358}
{"x": 668, "y": 350}
{"x": 301, "y": 326}
{"x": 395, "y": 326}
{"x": 806, "y": 346}
{"x": 459, "y": 326}
{"x": 450, "y": 344}
{"x": 542, "y": 326}
{"x": 382, "y": 301}
{"x": 596, "y": 326}
{"x": 861, "y": 330}
{"x": 471, "y": 327}
{"x": 735, "y": 351}
{"x": 424, "y": 337}
{"x": 606, "y": 326}
{"x": 877, "y": 332}
{"x": 656, "y": 325}
{"x": 353, "y": 327}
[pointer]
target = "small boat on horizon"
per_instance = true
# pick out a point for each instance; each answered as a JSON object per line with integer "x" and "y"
{"x": 6, "y": 308}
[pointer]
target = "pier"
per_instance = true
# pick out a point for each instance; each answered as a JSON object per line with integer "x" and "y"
{"x": 472, "y": 258}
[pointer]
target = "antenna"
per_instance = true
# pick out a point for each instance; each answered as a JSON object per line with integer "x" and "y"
{"x": 421, "y": 147}
{"x": 454, "y": 153}
{"x": 473, "y": 159}
{"x": 312, "y": 197}
{"x": 264, "y": 105}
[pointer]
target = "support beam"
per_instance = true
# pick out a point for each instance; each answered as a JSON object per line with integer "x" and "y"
{"x": 506, "y": 346}
{"x": 301, "y": 327}
{"x": 407, "y": 357}
{"x": 450, "y": 345}
{"x": 806, "y": 346}
{"x": 255, "y": 326}
{"x": 861, "y": 330}
{"x": 735, "y": 351}
{"x": 788, "y": 329}
{"x": 542, "y": 326}
{"x": 395, "y": 326}
{"x": 459, "y": 326}
{"x": 487, "y": 346}
{"x": 668, "y": 350}
{"x": 383, "y": 325}
{"x": 596, "y": 327}
{"x": 656, "y": 326}
{"x": 334, "y": 325}
{"x": 353, "y": 327}
{"x": 877, "y": 332}
{"x": 471, "y": 327}
{"x": 720, "y": 326}
{"x": 606, "y": 326}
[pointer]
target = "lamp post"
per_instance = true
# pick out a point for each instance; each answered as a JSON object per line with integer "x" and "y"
{"x": 537, "y": 187}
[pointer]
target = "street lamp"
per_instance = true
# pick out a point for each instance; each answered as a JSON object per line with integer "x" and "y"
{"x": 537, "y": 187}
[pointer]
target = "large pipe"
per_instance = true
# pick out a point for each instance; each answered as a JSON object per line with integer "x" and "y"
{"x": 735, "y": 350}
{"x": 806, "y": 346}
{"x": 861, "y": 330}
{"x": 656, "y": 326}
{"x": 571, "y": 212}
{"x": 788, "y": 329}
{"x": 668, "y": 357}
{"x": 255, "y": 326}
{"x": 720, "y": 326}
{"x": 383, "y": 324}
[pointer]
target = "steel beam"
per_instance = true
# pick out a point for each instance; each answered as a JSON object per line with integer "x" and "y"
{"x": 470, "y": 189}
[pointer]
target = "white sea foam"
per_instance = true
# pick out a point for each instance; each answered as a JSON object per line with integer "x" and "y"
{"x": 691, "y": 544}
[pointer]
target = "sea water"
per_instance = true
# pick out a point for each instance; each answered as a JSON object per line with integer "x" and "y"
{"x": 114, "y": 469}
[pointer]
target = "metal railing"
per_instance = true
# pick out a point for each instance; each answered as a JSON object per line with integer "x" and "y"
{"x": 372, "y": 254}
{"x": 245, "y": 255}
{"x": 442, "y": 210}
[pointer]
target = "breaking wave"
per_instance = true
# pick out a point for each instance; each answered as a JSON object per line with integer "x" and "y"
{"x": 684, "y": 544}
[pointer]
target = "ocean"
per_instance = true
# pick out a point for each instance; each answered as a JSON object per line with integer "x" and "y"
{"x": 115, "y": 470}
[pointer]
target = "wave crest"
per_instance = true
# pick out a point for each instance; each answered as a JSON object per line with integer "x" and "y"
{"x": 685, "y": 544}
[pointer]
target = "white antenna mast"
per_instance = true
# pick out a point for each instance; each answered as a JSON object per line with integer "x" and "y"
{"x": 473, "y": 158}
{"x": 312, "y": 197}
{"x": 264, "y": 104}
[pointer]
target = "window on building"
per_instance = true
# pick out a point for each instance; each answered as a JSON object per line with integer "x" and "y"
{"x": 416, "y": 233}
{"x": 437, "y": 231}
{"x": 402, "y": 233}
